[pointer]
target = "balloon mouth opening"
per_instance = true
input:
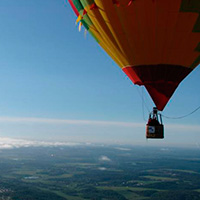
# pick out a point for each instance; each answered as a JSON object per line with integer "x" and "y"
{"x": 160, "y": 80}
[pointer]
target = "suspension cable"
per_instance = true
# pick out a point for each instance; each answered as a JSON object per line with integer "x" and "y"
{"x": 142, "y": 97}
{"x": 143, "y": 105}
{"x": 143, "y": 102}
{"x": 180, "y": 117}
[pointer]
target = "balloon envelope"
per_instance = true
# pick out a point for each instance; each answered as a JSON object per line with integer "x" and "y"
{"x": 155, "y": 42}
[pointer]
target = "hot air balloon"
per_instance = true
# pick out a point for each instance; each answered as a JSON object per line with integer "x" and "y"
{"x": 155, "y": 42}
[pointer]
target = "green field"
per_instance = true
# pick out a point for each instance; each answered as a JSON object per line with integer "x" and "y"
{"x": 99, "y": 173}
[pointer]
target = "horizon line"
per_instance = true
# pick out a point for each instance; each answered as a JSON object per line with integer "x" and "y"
{"x": 91, "y": 122}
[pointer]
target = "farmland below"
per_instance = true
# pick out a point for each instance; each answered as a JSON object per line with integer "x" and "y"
{"x": 99, "y": 172}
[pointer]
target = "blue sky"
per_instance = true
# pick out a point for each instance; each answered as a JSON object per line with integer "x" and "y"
{"x": 57, "y": 84}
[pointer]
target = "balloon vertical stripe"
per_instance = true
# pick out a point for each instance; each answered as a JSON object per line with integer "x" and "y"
{"x": 155, "y": 42}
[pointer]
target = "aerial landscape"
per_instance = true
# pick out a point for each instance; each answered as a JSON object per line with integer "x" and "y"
{"x": 91, "y": 171}
{"x": 100, "y": 100}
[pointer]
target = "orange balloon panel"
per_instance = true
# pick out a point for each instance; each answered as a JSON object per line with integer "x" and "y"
{"x": 155, "y": 42}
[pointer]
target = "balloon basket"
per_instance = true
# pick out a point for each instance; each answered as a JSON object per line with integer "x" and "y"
{"x": 155, "y": 127}
{"x": 154, "y": 132}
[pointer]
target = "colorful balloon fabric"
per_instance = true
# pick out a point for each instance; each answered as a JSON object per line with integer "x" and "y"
{"x": 155, "y": 42}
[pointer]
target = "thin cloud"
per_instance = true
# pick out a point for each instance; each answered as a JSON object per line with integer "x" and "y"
{"x": 10, "y": 143}
{"x": 123, "y": 149}
{"x": 102, "y": 168}
{"x": 67, "y": 121}
{"x": 26, "y": 120}
{"x": 183, "y": 127}
{"x": 104, "y": 158}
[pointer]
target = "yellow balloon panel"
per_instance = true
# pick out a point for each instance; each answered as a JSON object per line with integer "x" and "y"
{"x": 147, "y": 32}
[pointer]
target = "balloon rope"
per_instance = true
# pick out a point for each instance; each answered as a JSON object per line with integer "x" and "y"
{"x": 143, "y": 102}
{"x": 180, "y": 117}
{"x": 143, "y": 105}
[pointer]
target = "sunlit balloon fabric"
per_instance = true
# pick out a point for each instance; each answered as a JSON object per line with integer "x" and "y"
{"x": 155, "y": 42}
